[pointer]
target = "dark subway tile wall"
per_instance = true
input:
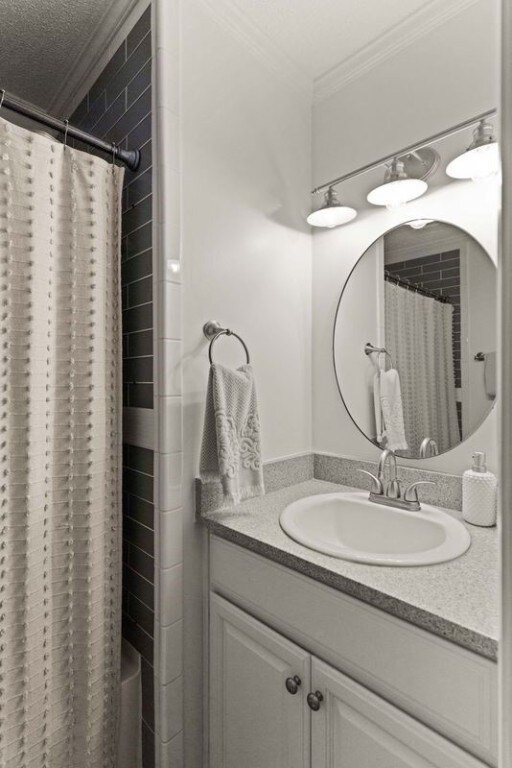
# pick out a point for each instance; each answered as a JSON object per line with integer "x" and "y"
{"x": 118, "y": 108}
{"x": 138, "y": 572}
{"x": 439, "y": 273}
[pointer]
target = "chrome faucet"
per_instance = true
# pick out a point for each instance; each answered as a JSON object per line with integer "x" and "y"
{"x": 392, "y": 488}
{"x": 389, "y": 492}
{"x": 428, "y": 448}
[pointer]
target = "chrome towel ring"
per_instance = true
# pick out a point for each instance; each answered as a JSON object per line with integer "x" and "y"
{"x": 369, "y": 349}
{"x": 212, "y": 330}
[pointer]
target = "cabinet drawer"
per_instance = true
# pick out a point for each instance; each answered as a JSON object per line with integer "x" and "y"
{"x": 449, "y": 688}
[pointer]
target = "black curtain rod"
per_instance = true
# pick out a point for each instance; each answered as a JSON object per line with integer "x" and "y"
{"x": 392, "y": 278}
{"x": 130, "y": 157}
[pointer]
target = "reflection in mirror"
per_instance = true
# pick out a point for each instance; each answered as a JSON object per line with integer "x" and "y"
{"x": 416, "y": 359}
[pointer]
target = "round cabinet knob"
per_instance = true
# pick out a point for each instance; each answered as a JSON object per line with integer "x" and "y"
{"x": 292, "y": 684}
{"x": 314, "y": 700}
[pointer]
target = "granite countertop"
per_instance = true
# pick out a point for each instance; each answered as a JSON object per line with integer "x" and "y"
{"x": 457, "y": 600}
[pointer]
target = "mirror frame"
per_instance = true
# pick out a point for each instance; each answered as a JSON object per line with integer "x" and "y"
{"x": 376, "y": 239}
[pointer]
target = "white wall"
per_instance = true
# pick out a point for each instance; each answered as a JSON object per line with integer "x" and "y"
{"x": 505, "y": 413}
{"x": 444, "y": 77}
{"x": 448, "y": 75}
{"x": 481, "y": 325}
{"x": 247, "y": 249}
{"x": 359, "y": 320}
{"x": 472, "y": 207}
{"x": 246, "y": 175}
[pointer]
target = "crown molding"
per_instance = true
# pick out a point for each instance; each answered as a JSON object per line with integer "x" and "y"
{"x": 112, "y": 28}
{"x": 415, "y": 26}
{"x": 232, "y": 19}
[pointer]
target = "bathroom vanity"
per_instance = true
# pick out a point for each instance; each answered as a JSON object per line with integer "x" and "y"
{"x": 316, "y": 661}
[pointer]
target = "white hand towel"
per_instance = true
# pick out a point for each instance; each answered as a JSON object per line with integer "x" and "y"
{"x": 392, "y": 410}
{"x": 231, "y": 449}
{"x": 379, "y": 363}
{"x": 490, "y": 374}
{"x": 377, "y": 407}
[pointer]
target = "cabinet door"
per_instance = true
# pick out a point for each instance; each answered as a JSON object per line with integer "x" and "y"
{"x": 255, "y": 722}
{"x": 354, "y": 728}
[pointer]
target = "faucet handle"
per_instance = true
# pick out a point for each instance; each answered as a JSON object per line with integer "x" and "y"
{"x": 377, "y": 486}
{"x": 411, "y": 493}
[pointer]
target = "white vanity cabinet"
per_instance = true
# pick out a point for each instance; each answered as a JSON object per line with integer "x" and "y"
{"x": 390, "y": 694}
{"x": 255, "y": 720}
{"x": 354, "y": 728}
{"x": 273, "y": 705}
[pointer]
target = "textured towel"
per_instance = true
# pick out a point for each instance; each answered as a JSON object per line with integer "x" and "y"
{"x": 231, "y": 449}
{"x": 379, "y": 427}
{"x": 377, "y": 408}
{"x": 490, "y": 374}
{"x": 392, "y": 410}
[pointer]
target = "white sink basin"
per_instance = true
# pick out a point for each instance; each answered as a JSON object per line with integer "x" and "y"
{"x": 349, "y": 526}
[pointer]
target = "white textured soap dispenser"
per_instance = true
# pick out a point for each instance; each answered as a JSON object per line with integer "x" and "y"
{"x": 479, "y": 493}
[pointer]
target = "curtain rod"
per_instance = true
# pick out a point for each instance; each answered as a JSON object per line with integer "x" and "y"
{"x": 130, "y": 157}
{"x": 406, "y": 150}
{"x": 400, "y": 281}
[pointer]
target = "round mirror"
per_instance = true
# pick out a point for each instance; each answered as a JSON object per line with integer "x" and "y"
{"x": 415, "y": 339}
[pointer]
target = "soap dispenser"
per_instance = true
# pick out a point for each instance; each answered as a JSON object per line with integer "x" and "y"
{"x": 479, "y": 493}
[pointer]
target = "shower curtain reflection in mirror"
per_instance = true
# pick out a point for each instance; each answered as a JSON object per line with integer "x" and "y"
{"x": 419, "y": 332}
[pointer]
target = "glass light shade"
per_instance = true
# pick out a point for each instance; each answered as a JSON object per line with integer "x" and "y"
{"x": 332, "y": 217}
{"x": 477, "y": 163}
{"x": 395, "y": 193}
{"x": 332, "y": 213}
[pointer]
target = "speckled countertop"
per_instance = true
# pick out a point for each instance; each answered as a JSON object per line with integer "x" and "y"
{"x": 457, "y": 600}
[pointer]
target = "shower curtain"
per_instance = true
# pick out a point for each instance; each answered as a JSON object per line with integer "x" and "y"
{"x": 59, "y": 454}
{"x": 419, "y": 338}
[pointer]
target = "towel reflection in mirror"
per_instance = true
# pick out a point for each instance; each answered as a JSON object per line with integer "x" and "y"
{"x": 389, "y": 415}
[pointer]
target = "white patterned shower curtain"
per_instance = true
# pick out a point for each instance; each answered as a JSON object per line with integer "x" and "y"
{"x": 60, "y": 454}
{"x": 419, "y": 338}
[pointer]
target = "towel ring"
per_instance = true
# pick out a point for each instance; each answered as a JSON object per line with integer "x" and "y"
{"x": 212, "y": 330}
{"x": 369, "y": 349}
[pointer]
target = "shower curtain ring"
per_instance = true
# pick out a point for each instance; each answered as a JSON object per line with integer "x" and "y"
{"x": 114, "y": 152}
{"x": 66, "y": 121}
{"x": 3, "y": 97}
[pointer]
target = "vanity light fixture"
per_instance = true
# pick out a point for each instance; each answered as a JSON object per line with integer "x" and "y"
{"x": 398, "y": 188}
{"x": 332, "y": 213}
{"x": 481, "y": 159}
{"x": 406, "y": 172}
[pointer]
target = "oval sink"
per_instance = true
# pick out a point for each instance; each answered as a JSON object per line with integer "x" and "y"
{"x": 349, "y": 526}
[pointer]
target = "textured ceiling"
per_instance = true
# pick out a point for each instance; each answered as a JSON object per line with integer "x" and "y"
{"x": 319, "y": 34}
{"x": 40, "y": 41}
